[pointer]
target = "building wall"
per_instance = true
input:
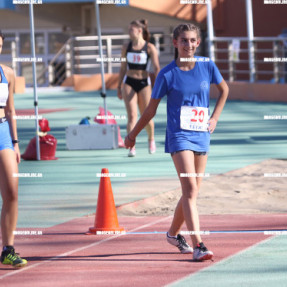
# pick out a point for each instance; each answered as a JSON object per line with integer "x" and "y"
{"x": 269, "y": 20}
{"x": 21, "y": 21}
{"x": 112, "y": 16}
{"x": 163, "y": 15}
{"x": 45, "y": 17}
{"x": 70, "y": 17}
{"x": 229, "y": 16}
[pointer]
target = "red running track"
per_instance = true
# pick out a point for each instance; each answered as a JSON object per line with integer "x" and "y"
{"x": 22, "y": 112}
{"x": 65, "y": 256}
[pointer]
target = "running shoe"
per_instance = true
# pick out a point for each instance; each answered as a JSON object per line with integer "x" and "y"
{"x": 152, "y": 147}
{"x": 9, "y": 257}
{"x": 132, "y": 152}
{"x": 179, "y": 242}
{"x": 202, "y": 253}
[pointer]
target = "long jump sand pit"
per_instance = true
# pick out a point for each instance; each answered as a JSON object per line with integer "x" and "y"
{"x": 257, "y": 188}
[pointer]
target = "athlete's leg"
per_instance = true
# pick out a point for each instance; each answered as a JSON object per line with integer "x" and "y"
{"x": 9, "y": 193}
{"x": 143, "y": 101}
{"x": 130, "y": 98}
{"x": 178, "y": 220}
{"x": 186, "y": 210}
{"x": 200, "y": 162}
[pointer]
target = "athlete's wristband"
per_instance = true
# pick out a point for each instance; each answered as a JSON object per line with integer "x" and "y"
{"x": 15, "y": 141}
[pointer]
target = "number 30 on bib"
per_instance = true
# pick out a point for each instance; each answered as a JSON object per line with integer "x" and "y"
{"x": 194, "y": 118}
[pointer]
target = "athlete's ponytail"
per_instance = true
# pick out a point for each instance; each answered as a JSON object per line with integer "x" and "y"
{"x": 2, "y": 35}
{"x": 142, "y": 24}
{"x": 146, "y": 34}
{"x": 182, "y": 28}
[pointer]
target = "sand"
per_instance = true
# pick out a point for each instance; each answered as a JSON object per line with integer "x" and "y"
{"x": 241, "y": 191}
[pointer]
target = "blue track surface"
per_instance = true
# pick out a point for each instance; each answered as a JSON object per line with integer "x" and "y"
{"x": 69, "y": 186}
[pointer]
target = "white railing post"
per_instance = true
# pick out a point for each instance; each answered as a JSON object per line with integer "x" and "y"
{"x": 230, "y": 61}
{"x": 14, "y": 56}
{"x": 68, "y": 60}
{"x": 285, "y": 56}
{"x": 275, "y": 64}
{"x": 157, "y": 43}
{"x": 109, "y": 55}
{"x": 51, "y": 74}
{"x": 210, "y": 31}
{"x": 72, "y": 56}
{"x": 249, "y": 17}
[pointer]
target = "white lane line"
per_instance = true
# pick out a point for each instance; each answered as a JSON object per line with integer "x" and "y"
{"x": 219, "y": 262}
{"x": 78, "y": 249}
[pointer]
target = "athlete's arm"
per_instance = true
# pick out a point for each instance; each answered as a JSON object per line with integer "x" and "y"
{"x": 147, "y": 115}
{"x": 123, "y": 71}
{"x": 224, "y": 90}
{"x": 10, "y": 109}
{"x": 154, "y": 58}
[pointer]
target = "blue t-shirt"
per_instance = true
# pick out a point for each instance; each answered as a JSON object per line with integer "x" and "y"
{"x": 185, "y": 88}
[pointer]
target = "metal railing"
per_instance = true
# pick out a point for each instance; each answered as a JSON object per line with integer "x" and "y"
{"x": 80, "y": 55}
{"x": 60, "y": 66}
{"x": 236, "y": 67}
{"x": 112, "y": 46}
{"x": 10, "y": 51}
{"x": 86, "y": 53}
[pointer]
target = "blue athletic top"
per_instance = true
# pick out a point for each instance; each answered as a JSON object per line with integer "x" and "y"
{"x": 4, "y": 92}
{"x": 186, "y": 88}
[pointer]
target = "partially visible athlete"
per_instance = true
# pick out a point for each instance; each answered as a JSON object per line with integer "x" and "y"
{"x": 186, "y": 82}
{"x": 9, "y": 159}
{"x": 134, "y": 74}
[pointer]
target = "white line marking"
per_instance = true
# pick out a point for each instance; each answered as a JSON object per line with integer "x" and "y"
{"x": 219, "y": 262}
{"x": 78, "y": 249}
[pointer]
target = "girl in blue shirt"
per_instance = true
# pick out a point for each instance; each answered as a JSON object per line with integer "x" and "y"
{"x": 186, "y": 82}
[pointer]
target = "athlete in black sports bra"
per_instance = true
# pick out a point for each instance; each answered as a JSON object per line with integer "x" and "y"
{"x": 137, "y": 60}
{"x": 136, "y": 90}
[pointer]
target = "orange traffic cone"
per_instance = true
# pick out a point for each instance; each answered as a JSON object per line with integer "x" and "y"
{"x": 106, "y": 220}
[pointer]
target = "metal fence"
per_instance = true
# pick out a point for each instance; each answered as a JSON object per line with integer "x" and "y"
{"x": 269, "y": 55}
{"x": 16, "y": 51}
{"x": 80, "y": 55}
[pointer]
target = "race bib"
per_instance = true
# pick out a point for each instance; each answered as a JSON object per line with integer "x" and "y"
{"x": 137, "y": 58}
{"x": 194, "y": 118}
{"x": 4, "y": 92}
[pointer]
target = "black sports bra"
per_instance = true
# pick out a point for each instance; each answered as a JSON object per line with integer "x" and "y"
{"x": 138, "y": 59}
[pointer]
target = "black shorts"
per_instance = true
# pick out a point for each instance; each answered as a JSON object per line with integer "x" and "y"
{"x": 137, "y": 84}
{"x": 195, "y": 152}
